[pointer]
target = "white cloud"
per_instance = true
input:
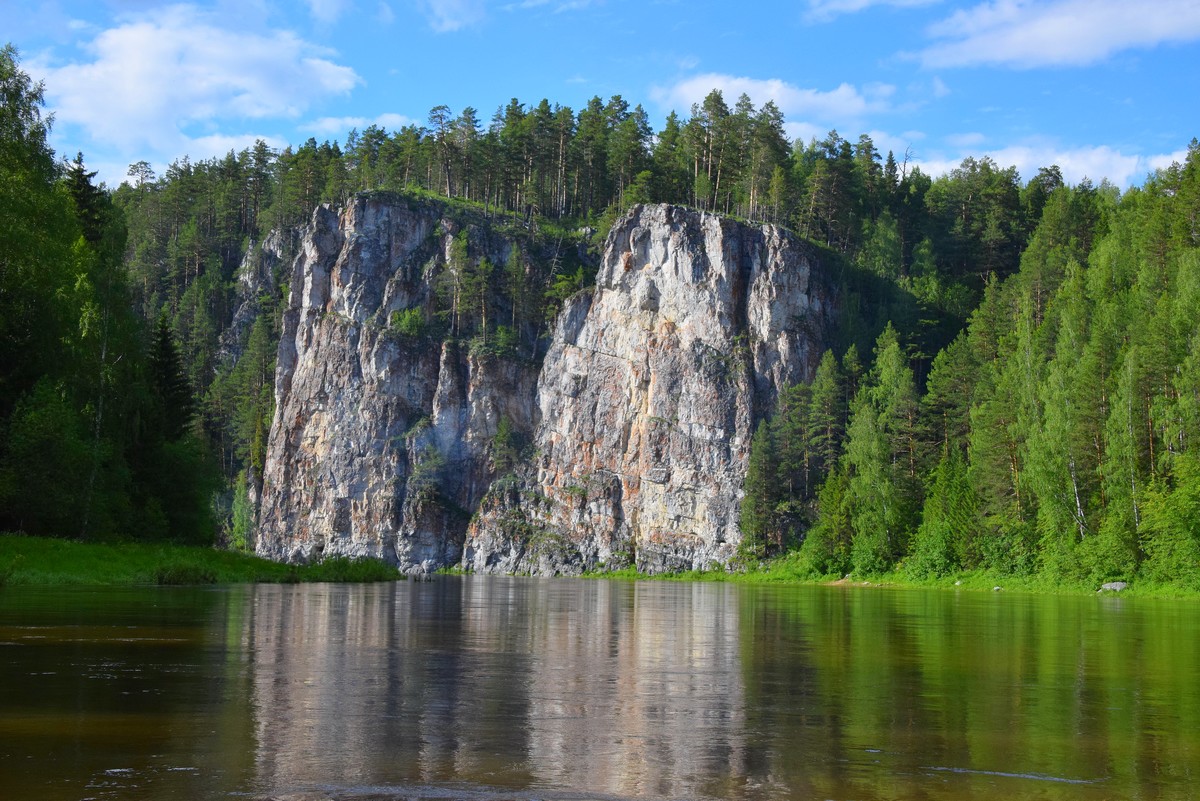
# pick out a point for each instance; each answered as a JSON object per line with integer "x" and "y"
{"x": 385, "y": 15}
{"x": 1093, "y": 162}
{"x": 328, "y": 11}
{"x": 841, "y": 106}
{"x": 150, "y": 80}
{"x": 445, "y": 16}
{"x": 215, "y": 145}
{"x": 1161, "y": 162}
{"x": 1024, "y": 33}
{"x": 331, "y": 126}
{"x": 897, "y": 145}
{"x": 559, "y": 5}
{"x": 176, "y": 80}
{"x": 940, "y": 89}
{"x": 825, "y": 10}
{"x": 1076, "y": 164}
{"x": 804, "y": 132}
{"x": 964, "y": 140}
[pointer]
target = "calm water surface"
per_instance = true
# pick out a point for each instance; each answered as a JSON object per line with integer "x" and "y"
{"x": 501, "y": 688}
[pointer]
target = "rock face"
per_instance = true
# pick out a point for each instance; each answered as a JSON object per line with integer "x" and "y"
{"x": 379, "y": 442}
{"x": 649, "y": 396}
{"x": 638, "y": 420}
{"x": 255, "y": 280}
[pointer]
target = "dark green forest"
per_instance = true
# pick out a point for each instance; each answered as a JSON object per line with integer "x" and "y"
{"x": 1014, "y": 384}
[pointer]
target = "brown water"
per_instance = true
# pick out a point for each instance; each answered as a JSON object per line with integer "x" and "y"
{"x": 499, "y": 688}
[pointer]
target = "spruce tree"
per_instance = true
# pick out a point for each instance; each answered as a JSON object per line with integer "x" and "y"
{"x": 762, "y": 495}
{"x": 176, "y": 406}
{"x": 827, "y": 417}
{"x": 826, "y": 549}
{"x": 883, "y": 453}
{"x": 947, "y": 527}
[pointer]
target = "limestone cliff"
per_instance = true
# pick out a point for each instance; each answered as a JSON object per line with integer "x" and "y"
{"x": 380, "y": 442}
{"x": 649, "y": 396}
{"x": 637, "y": 422}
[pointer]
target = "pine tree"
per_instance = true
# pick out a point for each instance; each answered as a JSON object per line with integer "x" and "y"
{"x": 826, "y": 549}
{"x": 1171, "y": 536}
{"x": 883, "y": 452}
{"x": 946, "y": 407}
{"x": 947, "y": 529}
{"x": 792, "y": 442}
{"x": 176, "y": 406}
{"x": 762, "y": 495}
{"x": 827, "y": 409}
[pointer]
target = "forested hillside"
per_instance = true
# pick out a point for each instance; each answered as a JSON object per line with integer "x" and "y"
{"x": 1014, "y": 387}
{"x": 1059, "y": 432}
{"x": 97, "y": 437}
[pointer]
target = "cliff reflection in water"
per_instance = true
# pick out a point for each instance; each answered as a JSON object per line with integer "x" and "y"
{"x": 604, "y": 686}
{"x": 655, "y": 689}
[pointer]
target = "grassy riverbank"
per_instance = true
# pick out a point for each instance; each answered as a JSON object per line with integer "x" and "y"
{"x": 38, "y": 560}
{"x": 787, "y": 570}
{"x": 43, "y": 561}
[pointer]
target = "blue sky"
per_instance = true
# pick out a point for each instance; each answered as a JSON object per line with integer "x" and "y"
{"x": 1103, "y": 88}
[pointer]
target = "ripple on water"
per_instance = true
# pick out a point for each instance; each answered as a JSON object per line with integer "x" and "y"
{"x": 1006, "y": 775}
{"x": 430, "y": 793}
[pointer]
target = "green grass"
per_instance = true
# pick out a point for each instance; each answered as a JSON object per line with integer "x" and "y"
{"x": 37, "y": 560}
{"x": 42, "y": 561}
{"x": 787, "y": 569}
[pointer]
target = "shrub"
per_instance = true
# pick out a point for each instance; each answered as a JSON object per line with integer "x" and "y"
{"x": 408, "y": 323}
{"x": 182, "y": 573}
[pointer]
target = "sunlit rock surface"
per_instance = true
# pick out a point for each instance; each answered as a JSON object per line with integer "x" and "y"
{"x": 637, "y": 423}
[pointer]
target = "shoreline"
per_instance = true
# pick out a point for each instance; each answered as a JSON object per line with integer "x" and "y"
{"x": 778, "y": 572}
{"x": 39, "y": 561}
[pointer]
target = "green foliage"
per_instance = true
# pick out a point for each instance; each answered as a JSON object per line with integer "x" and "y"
{"x": 947, "y": 531}
{"x": 46, "y": 466}
{"x": 826, "y": 549}
{"x": 883, "y": 453}
{"x": 1066, "y": 415}
{"x": 343, "y": 569}
{"x": 408, "y": 323}
{"x": 505, "y": 447}
{"x": 758, "y": 524}
{"x": 44, "y": 561}
{"x": 184, "y": 573}
{"x": 175, "y": 406}
{"x": 425, "y": 480}
{"x": 241, "y": 533}
{"x": 1172, "y": 526}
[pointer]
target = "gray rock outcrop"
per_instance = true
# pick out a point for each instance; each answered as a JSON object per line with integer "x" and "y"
{"x": 255, "y": 281}
{"x": 637, "y": 422}
{"x": 649, "y": 396}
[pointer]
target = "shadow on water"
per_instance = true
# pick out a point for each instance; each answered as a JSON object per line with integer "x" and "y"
{"x": 495, "y": 688}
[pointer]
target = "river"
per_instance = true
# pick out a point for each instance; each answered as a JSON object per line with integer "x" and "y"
{"x": 507, "y": 688}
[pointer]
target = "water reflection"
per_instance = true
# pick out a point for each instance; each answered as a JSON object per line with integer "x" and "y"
{"x": 490, "y": 688}
{"x": 503, "y": 682}
{"x": 698, "y": 690}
